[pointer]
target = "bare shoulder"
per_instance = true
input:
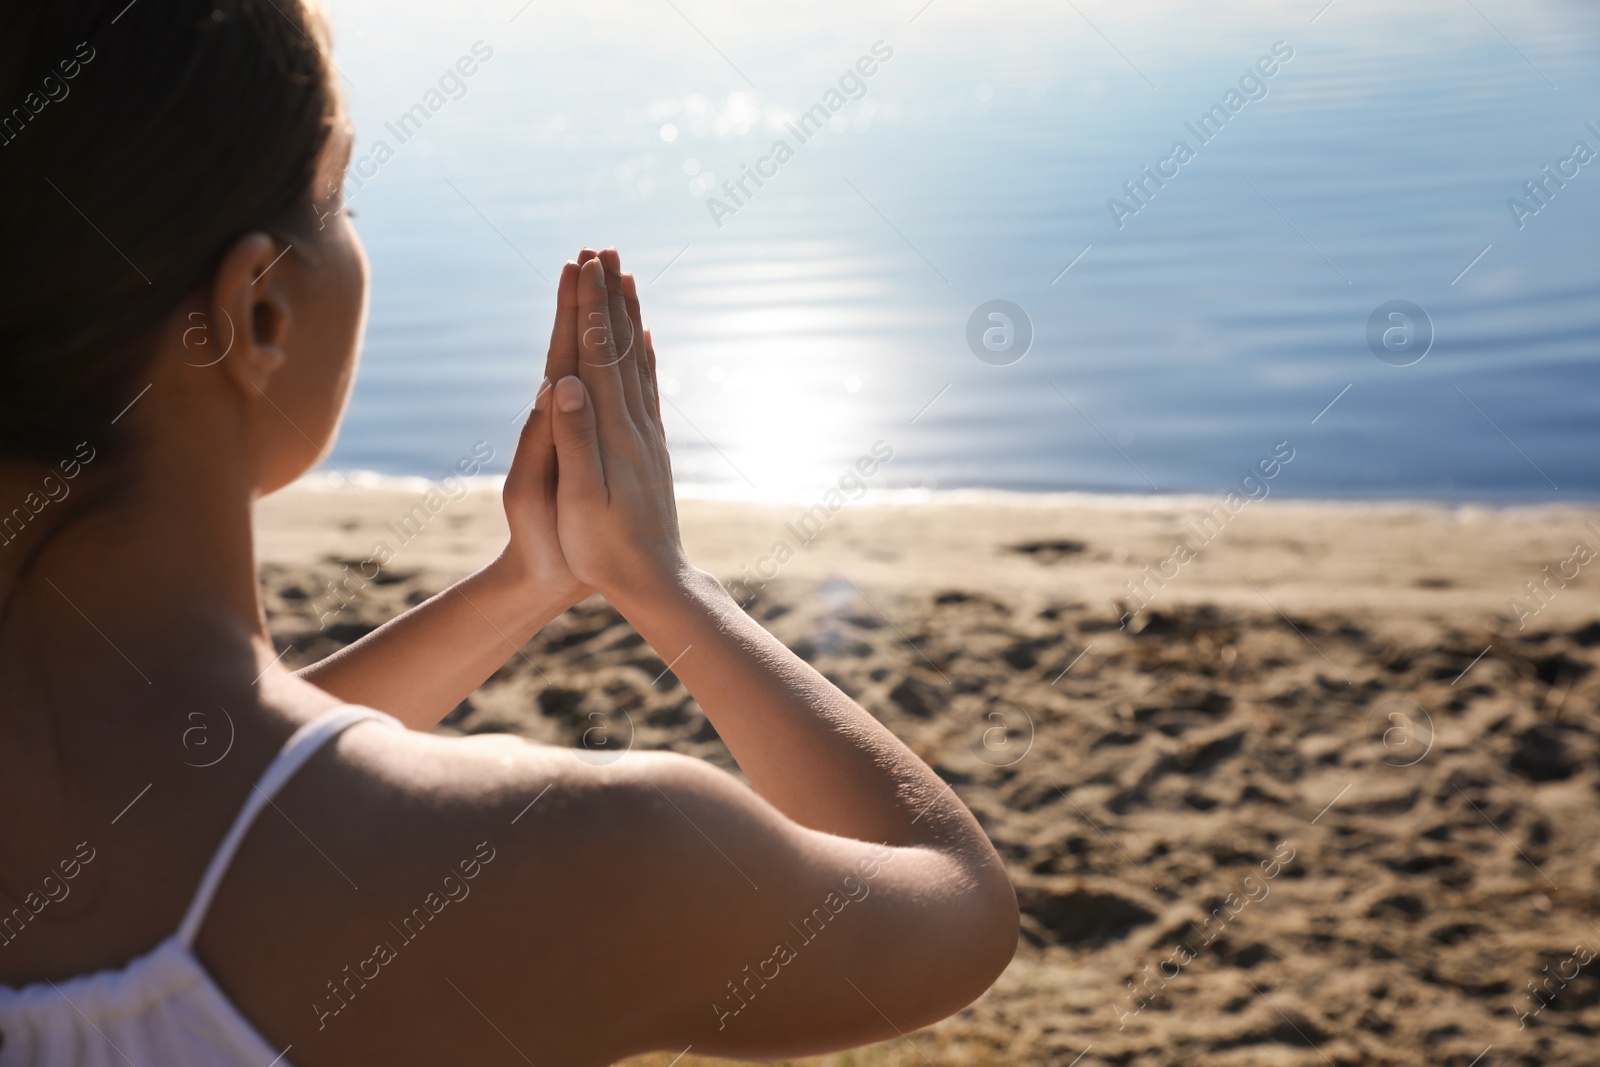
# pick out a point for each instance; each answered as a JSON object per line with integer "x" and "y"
{"x": 416, "y": 898}
{"x": 418, "y": 878}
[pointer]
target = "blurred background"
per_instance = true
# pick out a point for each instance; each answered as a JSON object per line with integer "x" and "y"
{"x": 831, "y": 308}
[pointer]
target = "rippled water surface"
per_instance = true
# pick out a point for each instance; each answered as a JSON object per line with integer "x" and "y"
{"x": 1177, "y": 335}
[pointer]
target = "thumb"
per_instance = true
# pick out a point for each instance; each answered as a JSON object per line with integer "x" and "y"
{"x": 534, "y": 462}
{"x": 577, "y": 443}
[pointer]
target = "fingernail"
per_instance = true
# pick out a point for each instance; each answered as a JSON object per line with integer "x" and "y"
{"x": 598, "y": 274}
{"x": 569, "y": 394}
{"x": 542, "y": 397}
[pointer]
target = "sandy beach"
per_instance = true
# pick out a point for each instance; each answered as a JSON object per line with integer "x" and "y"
{"x": 1318, "y": 788}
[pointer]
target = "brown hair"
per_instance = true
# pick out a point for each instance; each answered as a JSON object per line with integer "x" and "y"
{"x": 138, "y": 141}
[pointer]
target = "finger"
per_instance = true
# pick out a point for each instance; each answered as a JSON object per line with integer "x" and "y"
{"x": 525, "y": 461}
{"x": 585, "y": 254}
{"x": 531, "y": 482}
{"x": 577, "y": 443}
{"x": 633, "y": 367}
{"x": 652, "y": 388}
{"x": 562, "y": 359}
{"x": 597, "y": 349}
{"x": 611, "y": 260}
{"x": 536, "y": 448}
{"x": 627, "y": 338}
{"x": 655, "y": 401}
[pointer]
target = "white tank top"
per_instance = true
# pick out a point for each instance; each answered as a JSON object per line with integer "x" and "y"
{"x": 162, "y": 1009}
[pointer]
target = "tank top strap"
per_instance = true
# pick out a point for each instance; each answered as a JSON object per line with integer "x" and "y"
{"x": 301, "y": 746}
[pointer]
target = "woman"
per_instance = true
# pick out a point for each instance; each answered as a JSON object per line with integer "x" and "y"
{"x": 179, "y": 321}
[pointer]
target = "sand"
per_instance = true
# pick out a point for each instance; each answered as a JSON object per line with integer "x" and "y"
{"x": 1321, "y": 800}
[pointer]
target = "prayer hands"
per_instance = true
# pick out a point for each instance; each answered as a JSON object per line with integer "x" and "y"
{"x": 589, "y": 496}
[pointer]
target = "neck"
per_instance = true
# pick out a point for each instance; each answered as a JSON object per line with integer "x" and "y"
{"x": 137, "y": 583}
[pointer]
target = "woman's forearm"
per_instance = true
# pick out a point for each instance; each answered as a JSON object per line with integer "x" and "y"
{"x": 804, "y": 745}
{"x": 420, "y": 665}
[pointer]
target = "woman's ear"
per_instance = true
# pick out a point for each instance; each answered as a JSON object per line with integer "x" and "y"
{"x": 256, "y": 306}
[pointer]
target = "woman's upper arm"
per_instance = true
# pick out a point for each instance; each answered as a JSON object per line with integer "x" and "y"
{"x": 511, "y": 892}
{"x": 704, "y": 916}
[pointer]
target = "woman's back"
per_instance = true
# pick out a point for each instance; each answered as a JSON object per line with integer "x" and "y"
{"x": 163, "y": 1006}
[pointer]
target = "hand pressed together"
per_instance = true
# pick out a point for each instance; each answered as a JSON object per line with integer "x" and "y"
{"x": 589, "y": 496}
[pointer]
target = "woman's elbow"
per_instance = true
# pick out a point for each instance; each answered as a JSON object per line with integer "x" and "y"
{"x": 999, "y": 926}
{"x": 980, "y": 940}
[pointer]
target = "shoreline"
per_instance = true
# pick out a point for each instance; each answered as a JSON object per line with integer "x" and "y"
{"x": 1387, "y": 560}
{"x": 330, "y": 482}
